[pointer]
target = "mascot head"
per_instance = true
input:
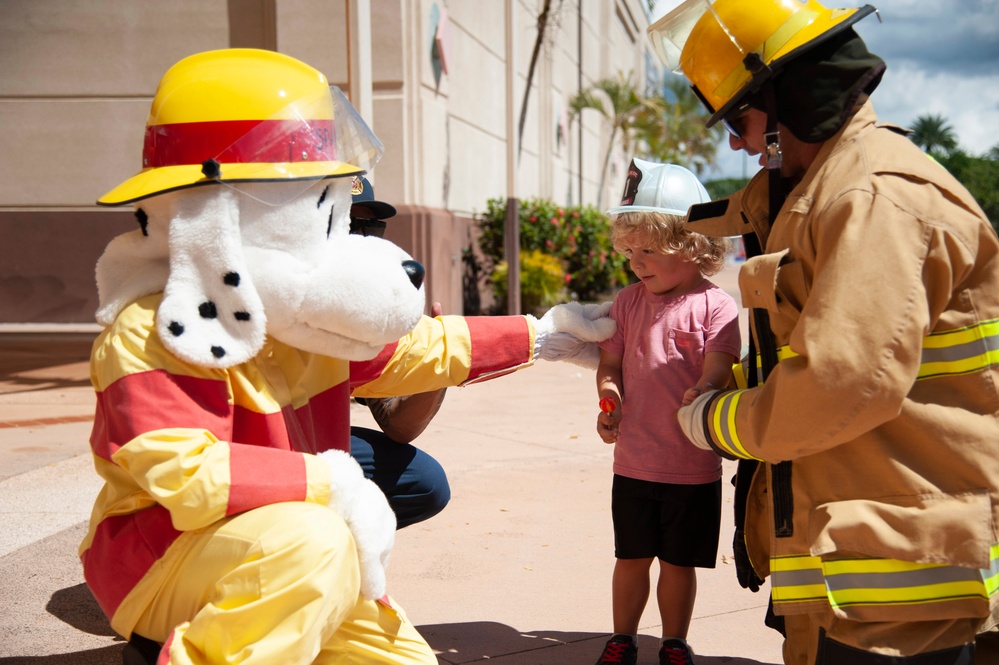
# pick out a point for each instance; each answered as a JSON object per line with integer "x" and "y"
{"x": 243, "y": 204}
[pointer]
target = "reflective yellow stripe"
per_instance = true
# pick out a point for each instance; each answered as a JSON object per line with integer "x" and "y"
{"x": 853, "y": 582}
{"x": 960, "y": 351}
{"x": 723, "y": 424}
{"x": 992, "y": 578}
{"x": 796, "y": 579}
{"x": 947, "y": 353}
{"x": 739, "y": 370}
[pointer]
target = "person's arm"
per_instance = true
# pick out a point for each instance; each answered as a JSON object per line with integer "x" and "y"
{"x": 404, "y": 418}
{"x": 609, "y": 385}
{"x": 716, "y": 374}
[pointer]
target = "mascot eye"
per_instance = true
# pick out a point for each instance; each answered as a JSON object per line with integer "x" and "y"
{"x": 329, "y": 222}
{"x": 322, "y": 197}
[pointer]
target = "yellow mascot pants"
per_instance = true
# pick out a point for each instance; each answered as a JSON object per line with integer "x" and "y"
{"x": 278, "y": 584}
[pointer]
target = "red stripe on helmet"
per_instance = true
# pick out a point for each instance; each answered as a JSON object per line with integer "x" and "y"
{"x": 239, "y": 142}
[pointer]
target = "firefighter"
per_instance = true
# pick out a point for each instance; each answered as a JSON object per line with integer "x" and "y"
{"x": 874, "y": 507}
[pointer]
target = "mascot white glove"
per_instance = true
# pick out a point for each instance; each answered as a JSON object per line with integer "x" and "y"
{"x": 691, "y": 419}
{"x": 571, "y": 331}
{"x": 364, "y": 508}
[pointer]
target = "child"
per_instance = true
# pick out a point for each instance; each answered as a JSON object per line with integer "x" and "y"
{"x": 677, "y": 336}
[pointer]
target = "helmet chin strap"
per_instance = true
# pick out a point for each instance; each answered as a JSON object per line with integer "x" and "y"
{"x": 774, "y": 155}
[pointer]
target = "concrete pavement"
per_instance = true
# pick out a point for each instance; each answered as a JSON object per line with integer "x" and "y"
{"x": 516, "y": 570}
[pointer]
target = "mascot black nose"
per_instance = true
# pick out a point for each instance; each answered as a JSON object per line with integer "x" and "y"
{"x": 415, "y": 271}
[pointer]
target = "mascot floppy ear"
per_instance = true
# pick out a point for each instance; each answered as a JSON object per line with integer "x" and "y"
{"x": 133, "y": 265}
{"x": 211, "y": 314}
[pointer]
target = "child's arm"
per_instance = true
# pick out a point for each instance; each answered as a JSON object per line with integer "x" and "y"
{"x": 609, "y": 386}
{"x": 716, "y": 374}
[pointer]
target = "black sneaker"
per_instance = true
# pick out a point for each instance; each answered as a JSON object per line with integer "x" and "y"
{"x": 619, "y": 650}
{"x": 675, "y": 652}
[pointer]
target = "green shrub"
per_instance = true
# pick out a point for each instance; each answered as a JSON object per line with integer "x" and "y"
{"x": 576, "y": 236}
{"x": 542, "y": 282}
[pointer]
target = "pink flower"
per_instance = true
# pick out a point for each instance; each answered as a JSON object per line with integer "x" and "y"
{"x": 532, "y": 218}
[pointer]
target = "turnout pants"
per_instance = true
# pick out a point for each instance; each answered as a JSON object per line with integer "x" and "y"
{"x": 822, "y": 639}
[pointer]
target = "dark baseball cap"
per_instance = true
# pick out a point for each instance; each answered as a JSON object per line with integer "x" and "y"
{"x": 364, "y": 194}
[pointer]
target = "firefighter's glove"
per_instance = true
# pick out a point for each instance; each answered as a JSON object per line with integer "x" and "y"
{"x": 691, "y": 419}
{"x": 748, "y": 579}
{"x": 570, "y": 332}
{"x": 364, "y": 508}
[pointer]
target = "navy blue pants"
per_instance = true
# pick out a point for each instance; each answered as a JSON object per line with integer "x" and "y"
{"x": 414, "y": 482}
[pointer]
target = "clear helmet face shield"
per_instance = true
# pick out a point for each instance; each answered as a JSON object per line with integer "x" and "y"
{"x": 309, "y": 140}
{"x": 669, "y": 34}
{"x": 695, "y": 41}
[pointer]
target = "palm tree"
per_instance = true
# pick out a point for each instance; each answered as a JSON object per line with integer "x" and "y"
{"x": 678, "y": 135}
{"x": 621, "y": 104}
{"x": 932, "y": 133}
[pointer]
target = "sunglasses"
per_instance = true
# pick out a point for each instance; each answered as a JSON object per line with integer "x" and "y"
{"x": 735, "y": 121}
{"x": 367, "y": 226}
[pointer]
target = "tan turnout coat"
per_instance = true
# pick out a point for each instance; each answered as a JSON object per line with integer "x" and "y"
{"x": 880, "y": 275}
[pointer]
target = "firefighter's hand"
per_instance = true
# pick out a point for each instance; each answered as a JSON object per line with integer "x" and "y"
{"x": 691, "y": 419}
{"x": 364, "y": 508}
{"x": 748, "y": 579}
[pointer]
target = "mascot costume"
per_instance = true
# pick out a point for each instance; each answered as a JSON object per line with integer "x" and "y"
{"x": 233, "y": 526}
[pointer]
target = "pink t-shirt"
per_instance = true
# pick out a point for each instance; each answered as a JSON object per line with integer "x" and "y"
{"x": 662, "y": 341}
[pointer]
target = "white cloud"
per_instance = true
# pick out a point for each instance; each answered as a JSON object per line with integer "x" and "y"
{"x": 943, "y": 59}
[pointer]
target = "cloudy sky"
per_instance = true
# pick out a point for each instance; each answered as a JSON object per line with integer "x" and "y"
{"x": 943, "y": 59}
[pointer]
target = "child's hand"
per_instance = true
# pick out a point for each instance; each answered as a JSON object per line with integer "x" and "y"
{"x": 690, "y": 394}
{"x": 607, "y": 425}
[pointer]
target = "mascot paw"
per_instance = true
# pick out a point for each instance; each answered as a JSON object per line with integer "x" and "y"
{"x": 570, "y": 332}
{"x": 364, "y": 508}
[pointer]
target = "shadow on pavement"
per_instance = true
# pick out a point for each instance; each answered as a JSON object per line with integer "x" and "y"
{"x": 76, "y": 606}
{"x": 103, "y": 656}
{"x": 486, "y": 640}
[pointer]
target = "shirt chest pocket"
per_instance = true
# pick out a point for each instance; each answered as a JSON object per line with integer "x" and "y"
{"x": 684, "y": 348}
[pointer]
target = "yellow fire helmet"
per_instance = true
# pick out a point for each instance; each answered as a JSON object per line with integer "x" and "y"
{"x": 246, "y": 115}
{"x": 728, "y": 48}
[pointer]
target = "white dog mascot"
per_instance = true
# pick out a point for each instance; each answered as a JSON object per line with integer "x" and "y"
{"x": 233, "y": 525}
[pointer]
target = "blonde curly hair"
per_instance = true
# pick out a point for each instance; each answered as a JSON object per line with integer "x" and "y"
{"x": 668, "y": 234}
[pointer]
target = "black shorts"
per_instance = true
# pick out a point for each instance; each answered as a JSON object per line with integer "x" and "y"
{"x": 676, "y": 523}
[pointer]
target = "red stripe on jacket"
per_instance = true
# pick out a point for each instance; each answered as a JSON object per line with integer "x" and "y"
{"x": 262, "y": 476}
{"x": 123, "y": 549}
{"x": 155, "y": 399}
{"x": 495, "y": 340}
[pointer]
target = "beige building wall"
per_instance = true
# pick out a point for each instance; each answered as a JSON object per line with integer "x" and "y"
{"x": 77, "y": 78}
